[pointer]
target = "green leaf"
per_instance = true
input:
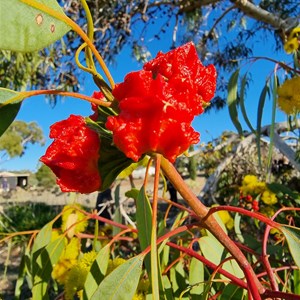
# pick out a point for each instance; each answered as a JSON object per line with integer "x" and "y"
{"x": 122, "y": 282}
{"x": 144, "y": 223}
{"x": 296, "y": 275}
{"x": 167, "y": 287}
{"x": 178, "y": 279}
{"x": 111, "y": 162}
{"x": 126, "y": 172}
{"x": 117, "y": 214}
{"x": 232, "y": 292}
{"x": 213, "y": 250}
{"x": 232, "y": 101}
{"x": 196, "y": 278}
{"x": 42, "y": 239}
{"x": 237, "y": 228}
{"x": 24, "y": 28}
{"x": 280, "y": 189}
{"x": 292, "y": 235}
{"x": 242, "y": 103}
{"x": 43, "y": 265}
{"x": 8, "y": 112}
{"x": 261, "y": 104}
{"x": 272, "y": 127}
{"x": 96, "y": 274}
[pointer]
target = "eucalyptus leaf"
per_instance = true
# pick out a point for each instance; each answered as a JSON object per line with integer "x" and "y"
{"x": 122, "y": 282}
{"x": 43, "y": 265}
{"x": 144, "y": 223}
{"x": 97, "y": 273}
{"x": 292, "y": 235}
{"x": 261, "y": 104}
{"x": 24, "y": 28}
{"x": 8, "y": 112}
{"x": 232, "y": 292}
{"x": 196, "y": 277}
{"x": 232, "y": 101}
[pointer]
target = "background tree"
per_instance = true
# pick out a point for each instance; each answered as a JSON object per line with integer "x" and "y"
{"x": 224, "y": 32}
{"x": 45, "y": 177}
{"x": 17, "y": 137}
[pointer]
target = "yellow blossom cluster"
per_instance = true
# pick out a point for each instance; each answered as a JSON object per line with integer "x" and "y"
{"x": 289, "y": 96}
{"x": 292, "y": 43}
{"x": 73, "y": 221}
{"x": 252, "y": 186}
{"x": 225, "y": 218}
{"x": 77, "y": 275}
{"x": 66, "y": 261}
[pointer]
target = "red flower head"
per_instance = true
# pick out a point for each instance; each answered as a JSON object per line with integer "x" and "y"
{"x": 158, "y": 104}
{"x": 73, "y": 155}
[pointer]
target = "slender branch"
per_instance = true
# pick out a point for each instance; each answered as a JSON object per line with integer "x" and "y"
{"x": 259, "y": 14}
{"x": 210, "y": 223}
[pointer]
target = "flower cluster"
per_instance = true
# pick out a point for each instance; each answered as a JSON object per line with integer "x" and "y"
{"x": 73, "y": 156}
{"x": 293, "y": 42}
{"x": 77, "y": 275}
{"x": 73, "y": 221}
{"x": 289, "y": 96}
{"x": 158, "y": 104}
{"x": 253, "y": 190}
{"x": 155, "y": 108}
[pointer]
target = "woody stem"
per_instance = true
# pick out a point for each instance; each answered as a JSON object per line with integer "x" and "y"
{"x": 209, "y": 222}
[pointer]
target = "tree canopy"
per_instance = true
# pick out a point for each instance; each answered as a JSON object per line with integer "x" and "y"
{"x": 223, "y": 31}
{"x": 17, "y": 137}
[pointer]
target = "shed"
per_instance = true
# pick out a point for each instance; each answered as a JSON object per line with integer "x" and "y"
{"x": 9, "y": 180}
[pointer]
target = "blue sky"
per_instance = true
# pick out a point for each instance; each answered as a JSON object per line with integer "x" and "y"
{"x": 210, "y": 125}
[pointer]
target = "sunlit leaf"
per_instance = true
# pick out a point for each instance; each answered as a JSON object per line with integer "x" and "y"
{"x": 97, "y": 272}
{"x": 126, "y": 172}
{"x": 232, "y": 101}
{"x": 24, "y": 28}
{"x": 261, "y": 104}
{"x": 8, "y": 112}
{"x": 242, "y": 103}
{"x": 121, "y": 283}
{"x": 196, "y": 278}
{"x": 144, "y": 223}
{"x": 272, "y": 127}
{"x": 43, "y": 265}
{"x": 292, "y": 235}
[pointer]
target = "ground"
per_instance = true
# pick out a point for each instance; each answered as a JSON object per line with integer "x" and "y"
{"x": 55, "y": 197}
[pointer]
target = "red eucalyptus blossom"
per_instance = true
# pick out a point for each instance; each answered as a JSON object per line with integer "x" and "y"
{"x": 73, "y": 156}
{"x": 158, "y": 104}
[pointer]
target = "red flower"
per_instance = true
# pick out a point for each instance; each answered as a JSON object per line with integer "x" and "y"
{"x": 73, "y": 155}
{"x": 100, "y": 96}
{"x": 158, "y": 104}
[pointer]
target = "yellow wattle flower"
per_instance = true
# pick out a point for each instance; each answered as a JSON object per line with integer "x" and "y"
{"x": 114, "y": 263}
{"x": 269, "y": 198}
{"x": 66, "y": 261}
{"x": 289, "y": 96}
{"x": 292, "y": 43}
{"x": 70, "y": 216}
{"x": 77, "y": 275}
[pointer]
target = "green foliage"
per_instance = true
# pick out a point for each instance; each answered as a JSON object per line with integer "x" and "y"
{"x": 24, "y": 28}
{"x": 122, "y": 282}
{"x": 18, "y": 136}
{"x": 45, "y": 177}
{"x": 26, "y": 217}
